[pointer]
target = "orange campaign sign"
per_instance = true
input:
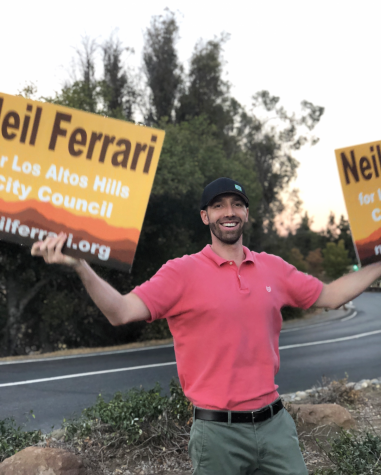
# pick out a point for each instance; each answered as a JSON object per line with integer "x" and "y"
{"x": 66, "y": 170}
{"x": 360, "y": 175}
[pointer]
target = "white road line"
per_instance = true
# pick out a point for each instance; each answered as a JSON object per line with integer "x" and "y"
{"x": 312, "y": 343}
{"x": 349, "y": 318}
{"x": 98, "y": 353}
{"x": 80, "y": 375}
{"x": 132, "y": 368}
{"x": 314, "y": 325}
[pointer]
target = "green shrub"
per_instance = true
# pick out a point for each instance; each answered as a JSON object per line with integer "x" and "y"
{"x": 132, "y": 413}
{"x": 290, "y": 313}
{"x": 336, "y": 259}
{"x": 13, "y": 438}
{"x": 353, "y": 454}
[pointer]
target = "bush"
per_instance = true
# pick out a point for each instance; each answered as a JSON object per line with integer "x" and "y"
{"x": 13, "y": 438}
{"x": 158, "y": 330}
{"x": 336, "y": 259}
{"x": 137, "y": 414}
{"x": 337, "y": 392}
{"x": 353, "y": 454}
{"x": 290, "y": 313}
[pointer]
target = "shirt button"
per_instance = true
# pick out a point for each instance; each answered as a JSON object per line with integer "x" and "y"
{"x": 239, "y": 276}
{"x": 230, "y": 263}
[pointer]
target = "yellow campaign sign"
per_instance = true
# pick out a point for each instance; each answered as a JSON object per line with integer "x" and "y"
{"x": 360, "y": 175}
{"x": 66, "y": 170}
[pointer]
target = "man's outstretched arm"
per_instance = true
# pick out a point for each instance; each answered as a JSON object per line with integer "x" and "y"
{"x": 119, "y": 309}
{"x": 348, "y": 287}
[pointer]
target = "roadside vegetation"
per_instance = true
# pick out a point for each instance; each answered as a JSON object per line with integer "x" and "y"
{"x": 144, "y": 431}
{"x": 13, "y": 438}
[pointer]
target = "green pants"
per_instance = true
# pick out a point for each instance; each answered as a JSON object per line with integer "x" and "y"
{"x": 264, "y": 448}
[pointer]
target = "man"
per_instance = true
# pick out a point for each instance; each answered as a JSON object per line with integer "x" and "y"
{"x": 223, "y": 308}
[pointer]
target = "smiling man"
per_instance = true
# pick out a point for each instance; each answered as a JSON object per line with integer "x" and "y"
{"x": 223, "y": 306}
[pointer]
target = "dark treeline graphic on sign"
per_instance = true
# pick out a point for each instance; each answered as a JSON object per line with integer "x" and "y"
{"x": 369, "y": 249}
{"x": 26, "y": 225}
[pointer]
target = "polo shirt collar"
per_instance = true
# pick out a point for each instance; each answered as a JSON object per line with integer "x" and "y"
{"x": 210, "y": 254}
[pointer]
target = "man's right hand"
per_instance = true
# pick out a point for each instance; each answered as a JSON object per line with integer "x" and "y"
{"x": 51, "y": 250}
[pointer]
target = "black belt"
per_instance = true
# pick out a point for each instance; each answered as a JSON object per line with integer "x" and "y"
{"x": 254, "y": 416}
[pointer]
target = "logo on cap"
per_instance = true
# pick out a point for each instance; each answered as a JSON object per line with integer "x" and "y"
{"x": 238, "y": 187}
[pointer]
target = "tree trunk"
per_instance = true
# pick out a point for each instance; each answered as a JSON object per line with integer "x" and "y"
{"x": 17, "y": 299}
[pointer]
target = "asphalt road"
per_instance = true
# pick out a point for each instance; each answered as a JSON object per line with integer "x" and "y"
{"x": 59, "y": 388}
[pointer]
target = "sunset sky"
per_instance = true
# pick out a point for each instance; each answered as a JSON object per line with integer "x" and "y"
{"x": 326, "y": 52}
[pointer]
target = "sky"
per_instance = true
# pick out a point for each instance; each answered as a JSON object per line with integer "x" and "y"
{"x": 325, "y": 52}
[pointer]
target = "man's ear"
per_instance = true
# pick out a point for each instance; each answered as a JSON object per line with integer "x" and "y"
{"x": 204, "y": 216}
{"x": 247, "y": 215}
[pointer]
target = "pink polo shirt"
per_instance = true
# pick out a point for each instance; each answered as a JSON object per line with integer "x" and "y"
{"x": 226, "y": 322}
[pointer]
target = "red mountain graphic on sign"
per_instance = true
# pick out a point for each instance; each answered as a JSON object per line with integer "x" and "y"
{"x": 122, "y": 242}
{"x": 367, "y": 248}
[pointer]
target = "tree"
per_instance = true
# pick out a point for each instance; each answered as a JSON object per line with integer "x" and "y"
{"x": 296, "y": 259}
{"x": 21, "y": 280}
{"x": 206, "y": 93}
{"x": 83, "y": 92}
{"x": 331, "y": 231}
{"x": 314, "y": 262}
{"x": 161, "y": 66}
{"x": 271, "y": 140}
{"x": 118, "y": 91}
{"x": 344, "y": 234}
{"x": 305, "y": 239}
{"x": 336, "y": 260}
{"x": 115, "y": 95}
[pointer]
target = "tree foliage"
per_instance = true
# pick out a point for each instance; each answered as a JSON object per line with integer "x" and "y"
{"x": 161, "y": 66}
{"x": 336, "y": 260}
{"x": 118, "y": 90}
{"x": 206, "y": 92}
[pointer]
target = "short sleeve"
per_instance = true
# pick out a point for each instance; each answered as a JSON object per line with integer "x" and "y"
{"x": 163, "y": 292}
{"x": 302, "y": 290}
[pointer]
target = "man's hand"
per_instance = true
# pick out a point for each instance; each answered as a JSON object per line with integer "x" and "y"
{"x": 51, "y": 251}
{"x": 119, "y": 309}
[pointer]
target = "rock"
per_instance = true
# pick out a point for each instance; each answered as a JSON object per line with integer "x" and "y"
{"x": 42, "y": 461}
{"x": 323, "y": 414}
{"x": 58, "y": 434}
{"x": 374, "y": 382}
{"x": 360, "y": 385}
{"x": 350, "y": 385}
{"x": 301, "y": 394}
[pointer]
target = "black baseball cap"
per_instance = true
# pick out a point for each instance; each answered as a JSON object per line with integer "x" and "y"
{"x": 219, "y": 187}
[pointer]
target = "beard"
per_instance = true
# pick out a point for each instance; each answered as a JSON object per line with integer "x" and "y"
{"x": 230, "y": 236}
